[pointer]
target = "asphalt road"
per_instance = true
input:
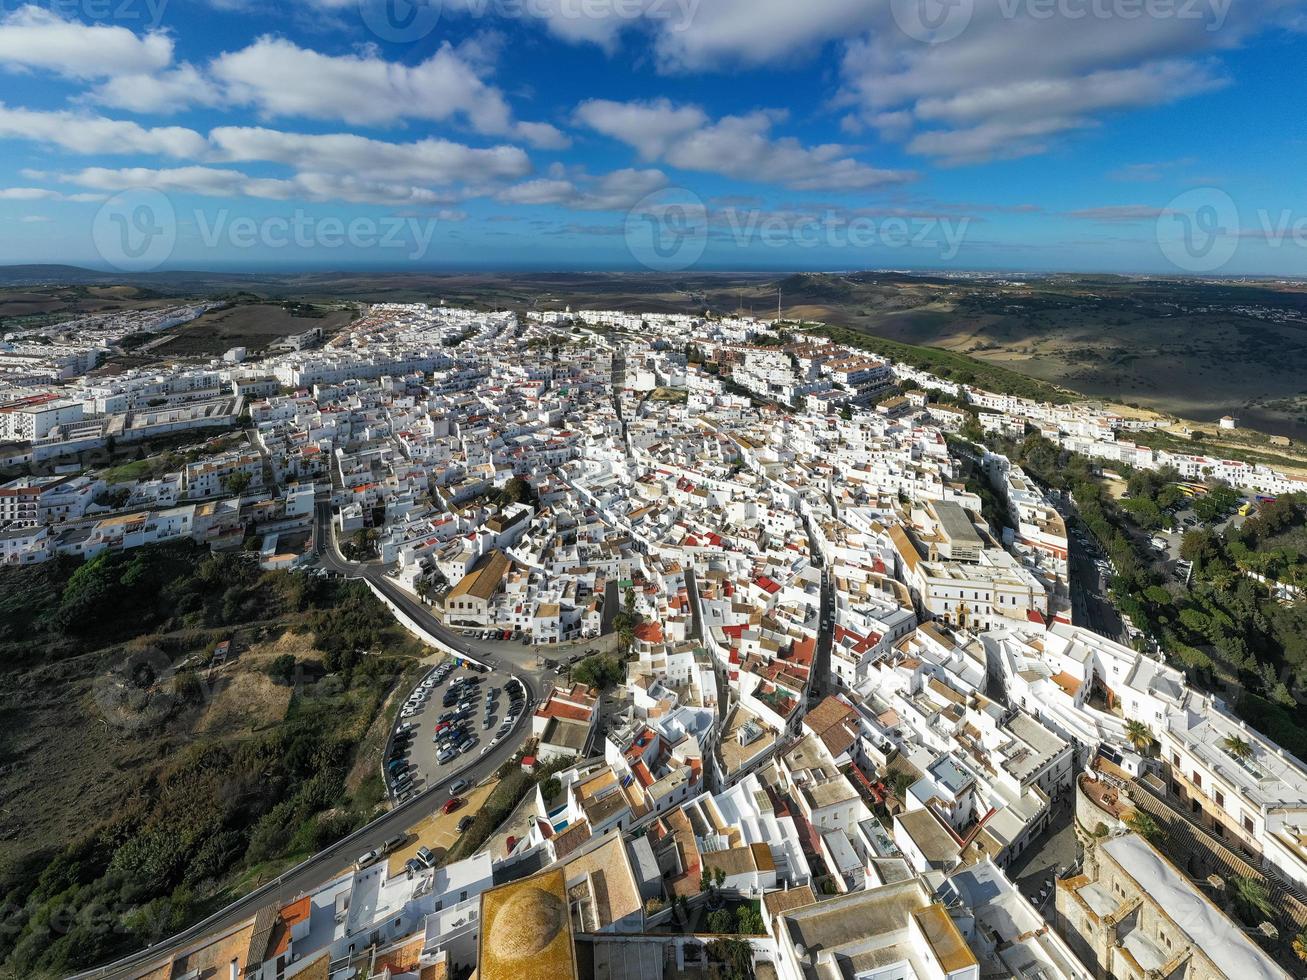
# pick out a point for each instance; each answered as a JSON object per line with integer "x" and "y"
{"x": 328, "y": 863}
{"x": 1090, "y": 605}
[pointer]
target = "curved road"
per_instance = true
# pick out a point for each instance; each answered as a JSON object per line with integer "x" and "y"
{"x": 328, "y": 863}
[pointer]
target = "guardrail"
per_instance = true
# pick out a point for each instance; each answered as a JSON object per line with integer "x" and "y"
{"x": 198, "y": 931}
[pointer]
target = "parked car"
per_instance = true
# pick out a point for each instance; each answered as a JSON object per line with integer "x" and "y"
{"x": 427, "y": 858}
{"x": 465, "y": 823}
{"x": 367, "y": 858}
{"x": 394, "y": 843}
{"x": 458, "y": 786}
{"x": 452, "y": 804}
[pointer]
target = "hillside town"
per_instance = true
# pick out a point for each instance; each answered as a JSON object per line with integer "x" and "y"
{"x": 858, "y": 729}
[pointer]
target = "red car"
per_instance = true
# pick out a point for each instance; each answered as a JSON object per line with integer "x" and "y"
{"x": 441, "y": 727}
{"x": 452, "y": 804}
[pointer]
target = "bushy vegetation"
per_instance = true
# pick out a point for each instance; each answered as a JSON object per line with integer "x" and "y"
{"x": 214, "y": 813}
{"x": 513, "y": 786}
{"x": 1222, "y": 626}
{"x": 601, "y": 671}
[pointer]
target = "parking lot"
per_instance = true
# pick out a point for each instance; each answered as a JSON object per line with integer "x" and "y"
{"x": 454, "y": 715}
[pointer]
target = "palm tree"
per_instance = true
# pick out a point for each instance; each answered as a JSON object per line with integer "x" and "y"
{"x": 1145, "y": 826}
{"x": 1238, "y": 747}
{"x": 1300, "y": 945}
{"x": 1139, "y": 735}
{"x": 1251, "y": 900}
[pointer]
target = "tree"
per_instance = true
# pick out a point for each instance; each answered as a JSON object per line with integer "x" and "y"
{"x": 1238, "y": 747}
{"x": 900, "y": 782}
{"x": 683, "y": 908}
{"x": 749, "y": 921}
{"x": 1139, "y": 735}
{"x": 1300, "y": 945}
{"x": 551, "y": 787}
{"x": 735, "y": 957}
{"x": 518, "y": 491}
{"x": 721, "y": 921}
{"x": 236, "y": 483}
{"x": 282, "y": 668}
{"x": 1252, "y": 902}
{"x": 1145, "y": 826}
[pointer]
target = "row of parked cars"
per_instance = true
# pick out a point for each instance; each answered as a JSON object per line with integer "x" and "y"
{"x": 423, "y": 859}
{"x": 453, "y": 733}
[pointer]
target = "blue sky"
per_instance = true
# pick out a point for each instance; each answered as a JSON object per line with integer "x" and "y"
{"x": 1097, "y": 135}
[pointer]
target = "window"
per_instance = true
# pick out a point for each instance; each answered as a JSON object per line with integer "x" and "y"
{"x": 1220, "y": 798}
{"x": 1198, "y": 778}
{"x": 1248, "y": 823}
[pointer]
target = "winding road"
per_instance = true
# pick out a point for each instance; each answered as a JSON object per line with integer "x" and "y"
{"x": 333, "y": 860}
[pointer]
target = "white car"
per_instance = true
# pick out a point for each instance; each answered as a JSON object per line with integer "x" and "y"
{"x": 367, "y": 858}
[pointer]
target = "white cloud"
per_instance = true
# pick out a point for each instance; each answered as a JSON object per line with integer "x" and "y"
{"x": 89, "y": 134}
{"x": 226, "y": 183}
{"x": 280, "y": 78}
{"x": 33, "y": 38}
{"x": 740, "y": 147}
{"x": 1015, "y": 78}
{"x": 1009, "y": 84}
{"x": 161, "y": 92}
{"x": 617, "y": 191}
{"x": 28, "y": 194}
{"x": 431, "y": 160}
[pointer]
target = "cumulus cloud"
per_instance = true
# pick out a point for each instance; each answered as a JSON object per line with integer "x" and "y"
{"x": 741, "y": 147}
{"x": 436, "y": 161}
{"x": 1009, "y": 84}
{"x": 83, "y": 133}
{"x": 158, "y": 93}
{"x": 228, "y": 183}
{"x": 617, "y": 191}
{"x": 32, "y": 38}
{"x": 281, "y": 79}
